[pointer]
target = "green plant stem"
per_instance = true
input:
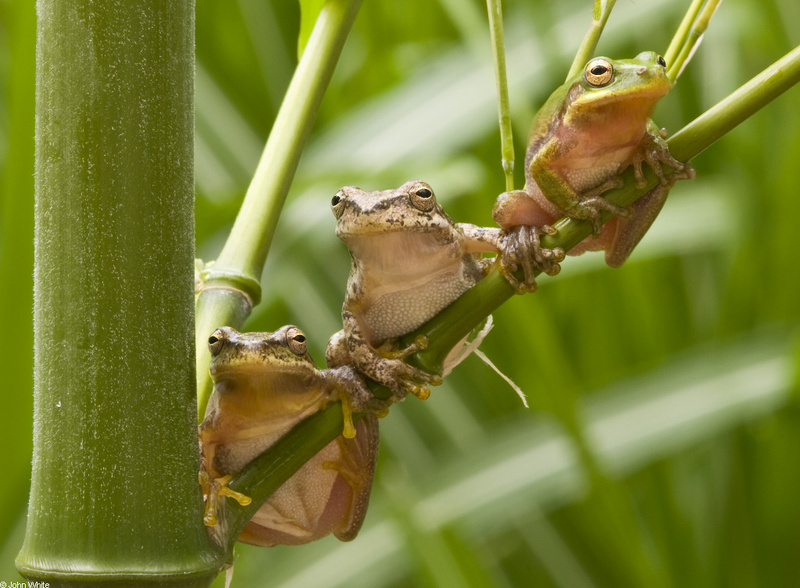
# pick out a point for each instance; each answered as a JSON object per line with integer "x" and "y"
{"x": 114, "y": 494}
{"x": 232, "y": 284}
{"x": 600, "y": 13}
{"x": 273, "y": 467}
{"x": 692, "y": 40}
{"x": 495, "y": 9}
{"x": 679, "y": 38}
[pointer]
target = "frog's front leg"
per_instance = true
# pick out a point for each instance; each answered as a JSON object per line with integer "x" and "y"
{"x": 386, "y": 366}
{"x": 654, "y": 151}
{"x": 354, "y": 395}
{"x": 481, "y": 239}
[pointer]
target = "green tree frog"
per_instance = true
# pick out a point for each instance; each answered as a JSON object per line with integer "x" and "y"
{"x": 409, "y": 261}
{"x": 264, "y": 384}
{"x": 587, "y": 132}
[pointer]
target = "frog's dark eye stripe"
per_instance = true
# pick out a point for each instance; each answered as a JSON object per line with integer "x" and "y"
{"x": 598, "y": 72}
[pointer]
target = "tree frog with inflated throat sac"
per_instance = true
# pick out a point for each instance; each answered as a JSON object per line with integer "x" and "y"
{"x": 588, "y": 131}
{"x": 409, "y": 261}
{"x": 264, "y": 384}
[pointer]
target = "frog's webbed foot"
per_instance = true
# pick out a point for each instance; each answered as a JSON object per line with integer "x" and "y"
{"x": 403, "y": 378}
{"x": 655, "y": 152}
{"x": 212, "y": 490}
{"x": 522, "y": 247}
{"x": 355, "y": 397}
{"x": 592, "y": 204}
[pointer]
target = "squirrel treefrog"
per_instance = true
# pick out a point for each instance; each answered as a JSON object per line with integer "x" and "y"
{"x": 409, "y": 261}
{"x": 588, "y": 131}
{"x": 264, "y": 384}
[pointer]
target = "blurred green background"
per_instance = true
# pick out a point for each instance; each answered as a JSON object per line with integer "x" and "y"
{"x": 660, "y": 446}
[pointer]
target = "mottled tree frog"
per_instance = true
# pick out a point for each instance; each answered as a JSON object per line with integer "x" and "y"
{"x": 264, "y": 384}
{"x": 409, "y": 261}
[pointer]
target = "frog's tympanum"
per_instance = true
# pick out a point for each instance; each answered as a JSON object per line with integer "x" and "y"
{"x": 409, "y": 261}
{"x": 588, "y": 131}
{"x": 264, "y": 384}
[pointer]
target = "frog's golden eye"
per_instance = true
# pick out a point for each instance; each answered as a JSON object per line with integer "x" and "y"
{"x": 215, "y": 341}
{"x": 660, "y": 61}
{"x": 337, "y": 203}
{"x": 422, "y": 197}
{"x": 598, "y": 72}
{"x": 296, "y": 341}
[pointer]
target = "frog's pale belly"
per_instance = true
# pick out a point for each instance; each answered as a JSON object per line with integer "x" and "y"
{"x": 400, "y": 311}
{"x": 296, "y": 508}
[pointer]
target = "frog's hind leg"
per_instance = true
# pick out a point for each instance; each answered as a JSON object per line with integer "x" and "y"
{"x": 356, "y": 469}
{"x": 522, "y": 248}
{"x": 631, "y": 230}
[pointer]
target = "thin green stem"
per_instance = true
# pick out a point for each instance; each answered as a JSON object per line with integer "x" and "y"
{"x": 262, "y": 476}
{"x": 232, "y": 284}
{"x": 600, "y": 13}
{"x": 692, "y": 40}
{"x": 679, "y": 38}
{"x": 495, "y": 9}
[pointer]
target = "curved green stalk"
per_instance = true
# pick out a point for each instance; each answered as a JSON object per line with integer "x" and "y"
{"x": 600, "y": 13}
{"x": 232, "y": 285}
{"x": 495, "y": 9}
{"x": 262, "y": 476}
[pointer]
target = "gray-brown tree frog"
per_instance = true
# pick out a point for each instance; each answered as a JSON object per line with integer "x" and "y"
{"x": 409, "y": 261}
{"x": 264, "y": 384}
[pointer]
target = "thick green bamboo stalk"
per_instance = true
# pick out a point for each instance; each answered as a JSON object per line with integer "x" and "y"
{"x": 114, "y": 494}
{"x": 233, "y": 283}
{"x": 16, "y": 254}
